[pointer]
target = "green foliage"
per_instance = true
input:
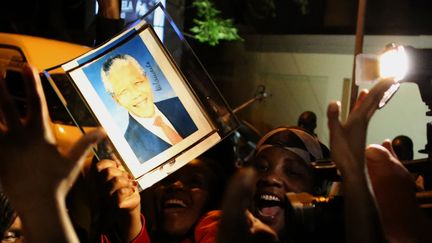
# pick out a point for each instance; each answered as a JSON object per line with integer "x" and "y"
{"x": 210, "y": 27}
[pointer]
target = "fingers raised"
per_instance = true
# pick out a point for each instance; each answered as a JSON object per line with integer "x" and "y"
{"x": 7, "y": 106}
{"x": 333, "y": 118}
{"x": 79, "y": 149}
{"x": 106, "y": 163}
{"x": 121, "y": 184}
{"x": 360, "y": 98}
{"x": 35, "y": 98}
{"x": 128, "y": 199}
{"x": 370, "y": 103}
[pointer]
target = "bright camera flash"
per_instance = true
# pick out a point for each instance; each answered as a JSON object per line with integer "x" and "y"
{"x": 393, "y": 64}
{"x": 390, "y": 64}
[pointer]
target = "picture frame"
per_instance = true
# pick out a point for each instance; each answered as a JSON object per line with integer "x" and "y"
{"x": 128, "y": 129}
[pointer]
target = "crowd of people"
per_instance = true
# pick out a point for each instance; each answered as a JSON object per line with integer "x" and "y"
{"x": 193, "y": 204}
{"x": 196, "y": 204}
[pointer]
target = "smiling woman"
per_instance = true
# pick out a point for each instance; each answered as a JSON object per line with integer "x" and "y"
{"x": 283, "y": 164}
{"x": 280, "y": 171}
{"x": 185, "y": 202}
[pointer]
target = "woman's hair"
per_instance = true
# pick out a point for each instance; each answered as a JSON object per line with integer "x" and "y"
{"x": 7, "y": 214}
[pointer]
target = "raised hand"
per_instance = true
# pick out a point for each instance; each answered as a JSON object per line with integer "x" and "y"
{"x": 34, "y": 175}
{"x": 347, "y": 145}
{"x": 394, "y": 189}
{"x": 347, "y": 140}
{"x": 121, "y": 196}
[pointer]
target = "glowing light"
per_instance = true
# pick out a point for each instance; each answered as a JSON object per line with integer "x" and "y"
{"x": 393, "y": 64}
{"x": 61, "y": 129}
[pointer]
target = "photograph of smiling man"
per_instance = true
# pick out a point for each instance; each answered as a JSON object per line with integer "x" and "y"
{"x": 153, "y": 126}
{"x": 140, "y": 99}
{"x": 156, "y": 120}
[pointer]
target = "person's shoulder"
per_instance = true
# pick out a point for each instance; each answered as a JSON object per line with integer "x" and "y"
{"x": 213, "y": 215}
{"x": 170, "y": 104}
{"x": 209, "y": 219}
{"x": 207, "y": 226}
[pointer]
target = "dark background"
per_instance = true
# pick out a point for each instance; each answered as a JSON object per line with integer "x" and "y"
{"x": 71, "y": 20}
{"x": 392, "y": 17}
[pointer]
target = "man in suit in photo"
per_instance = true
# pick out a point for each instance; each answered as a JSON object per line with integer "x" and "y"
{"x": 153, "y": 126}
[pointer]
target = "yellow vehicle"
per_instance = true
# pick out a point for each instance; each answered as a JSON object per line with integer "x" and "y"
{"x": 44, "y": 54}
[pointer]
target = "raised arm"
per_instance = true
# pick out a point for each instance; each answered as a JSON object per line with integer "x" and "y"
{"x": 347, "y": 143}
{"x": 395, "y": 193}
{"x": 121, "y": 202}
{"x": 34, "y": 175}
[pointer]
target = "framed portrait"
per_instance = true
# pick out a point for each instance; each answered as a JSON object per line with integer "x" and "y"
{"x": 151, "y": 115}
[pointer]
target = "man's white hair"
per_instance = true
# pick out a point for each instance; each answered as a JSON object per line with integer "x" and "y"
{"x": 120, "y": 59}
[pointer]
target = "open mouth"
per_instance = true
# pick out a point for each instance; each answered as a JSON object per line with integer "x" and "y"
{"x": 269, "y": 205}
{"x": 174, "y": 204}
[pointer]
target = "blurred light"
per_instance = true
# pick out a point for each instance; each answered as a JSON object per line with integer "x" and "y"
{"x": 388, "y": 94}
{"x": 61, "y": 129}
{"x": 393, "y": 64}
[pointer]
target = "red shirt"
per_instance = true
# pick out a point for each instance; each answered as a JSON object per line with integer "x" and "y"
{"x": 142, "y": 237}
{"x": 206, "y": 228}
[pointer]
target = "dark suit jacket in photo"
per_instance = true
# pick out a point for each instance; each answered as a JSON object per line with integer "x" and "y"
{"x": 145, "y": 144}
